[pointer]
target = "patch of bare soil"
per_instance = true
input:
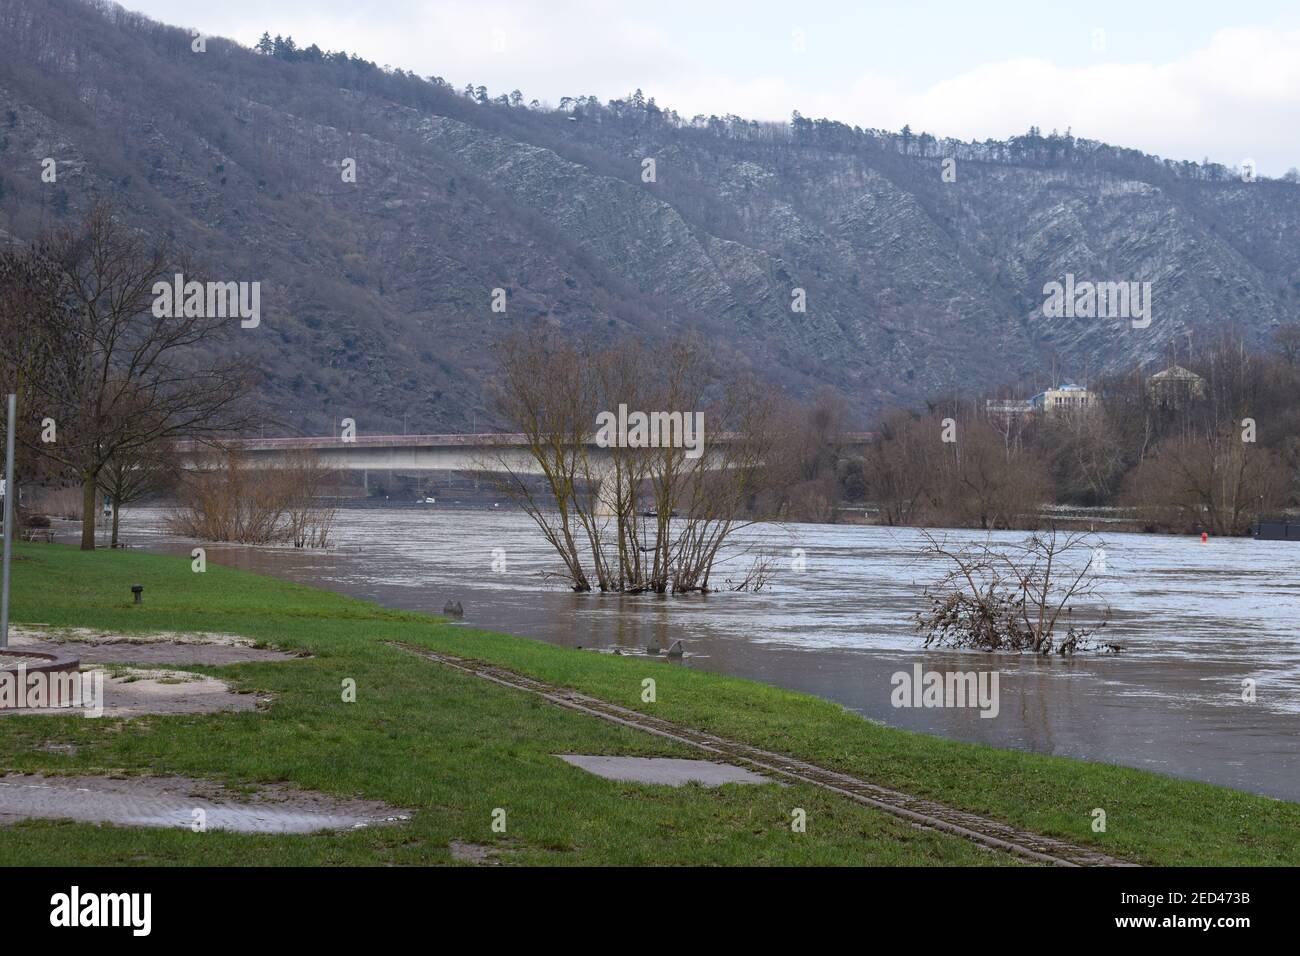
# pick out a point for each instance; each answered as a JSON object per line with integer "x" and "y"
{"x": 133, "y": 692}
{"x": 184, "y": 802}
{"x": 476, "y": 853}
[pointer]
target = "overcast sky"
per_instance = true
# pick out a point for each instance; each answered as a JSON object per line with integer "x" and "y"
{"x": 1184, "y": 80}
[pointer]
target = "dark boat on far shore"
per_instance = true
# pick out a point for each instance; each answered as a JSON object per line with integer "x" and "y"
{"x": 1278, "y": 529}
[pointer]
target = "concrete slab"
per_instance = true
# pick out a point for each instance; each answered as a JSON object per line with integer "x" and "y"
{"x": 669, "y": 771}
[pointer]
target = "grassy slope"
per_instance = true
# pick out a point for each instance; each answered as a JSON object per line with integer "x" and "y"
{"x": 447, "y": 745}
{"x": 453, "y": 749}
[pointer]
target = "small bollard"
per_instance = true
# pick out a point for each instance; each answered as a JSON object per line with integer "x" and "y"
{"x": 137, "y": 590}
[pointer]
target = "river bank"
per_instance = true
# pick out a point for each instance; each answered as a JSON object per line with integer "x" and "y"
{"x": 837, "y": 620}
{"x": 452, "y": 749}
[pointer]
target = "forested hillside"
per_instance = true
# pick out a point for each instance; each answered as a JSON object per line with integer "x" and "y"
{"x": 377, "y": 293}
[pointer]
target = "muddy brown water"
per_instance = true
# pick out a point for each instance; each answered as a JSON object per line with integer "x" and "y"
{"x": 836, "y": 620}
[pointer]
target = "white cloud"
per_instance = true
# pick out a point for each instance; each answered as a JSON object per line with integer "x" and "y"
{"x": 1237, "y": 98}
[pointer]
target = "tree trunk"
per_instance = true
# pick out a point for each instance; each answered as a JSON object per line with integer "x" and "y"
{"x": 88, "y": 502}
{"x": 116, "y": 511}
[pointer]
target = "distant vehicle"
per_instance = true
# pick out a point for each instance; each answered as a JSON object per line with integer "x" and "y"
{"x": 430, "y": 501}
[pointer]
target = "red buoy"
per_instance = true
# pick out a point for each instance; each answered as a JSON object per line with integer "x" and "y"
{"x": 1205, "y": 536}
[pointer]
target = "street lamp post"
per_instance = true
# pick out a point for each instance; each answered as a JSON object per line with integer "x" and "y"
{"x": 12, "y": 412}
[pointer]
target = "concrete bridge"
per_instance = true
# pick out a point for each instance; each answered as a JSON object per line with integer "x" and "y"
{"x": 484, "y": 453}
{"x": 387, "y": 452}
{"x": 407, "y": 453}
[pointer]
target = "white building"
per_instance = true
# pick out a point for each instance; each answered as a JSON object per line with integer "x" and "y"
{"x": 1063, "y": 398}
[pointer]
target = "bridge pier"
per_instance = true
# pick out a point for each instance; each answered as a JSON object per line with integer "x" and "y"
{"x": 606, "y": 494}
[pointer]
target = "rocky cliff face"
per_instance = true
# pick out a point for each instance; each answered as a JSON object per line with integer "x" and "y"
{"x": 377, "y": 293}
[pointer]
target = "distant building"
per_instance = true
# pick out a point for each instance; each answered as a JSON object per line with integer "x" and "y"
{"x": 1175, "y": 386}
{"x": 1008, "y": 406}
{"x": 1059, "y": 399}
{"x": 1063, "y": 398}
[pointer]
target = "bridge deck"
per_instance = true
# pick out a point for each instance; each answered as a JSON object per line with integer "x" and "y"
{"x": 480, "y": 440}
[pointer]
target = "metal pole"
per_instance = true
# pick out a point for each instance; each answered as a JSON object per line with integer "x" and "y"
{"x": 8, "y": 517}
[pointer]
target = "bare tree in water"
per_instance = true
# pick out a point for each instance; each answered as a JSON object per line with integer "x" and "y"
{"x": 625, "y": 518}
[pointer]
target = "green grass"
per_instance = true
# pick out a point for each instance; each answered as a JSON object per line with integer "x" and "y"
{"x": 451, "y": 748}
{"x": 446, "y": 745}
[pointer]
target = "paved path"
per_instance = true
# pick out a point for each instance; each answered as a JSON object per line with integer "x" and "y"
{"x": 926, "y": 814}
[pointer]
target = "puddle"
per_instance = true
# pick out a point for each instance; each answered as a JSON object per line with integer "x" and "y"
{"x": 172, "y": 802}
{"x": 669, "y": 771}
{"x": 167, "y": 647}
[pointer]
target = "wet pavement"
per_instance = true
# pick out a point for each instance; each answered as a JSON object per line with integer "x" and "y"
{"x": 181, "y": 802}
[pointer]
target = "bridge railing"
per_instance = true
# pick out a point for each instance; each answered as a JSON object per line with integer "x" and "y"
{"x": 370, "y": 441}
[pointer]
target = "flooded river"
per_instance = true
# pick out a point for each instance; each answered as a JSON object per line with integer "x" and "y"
{"x": 1196, "y": 620}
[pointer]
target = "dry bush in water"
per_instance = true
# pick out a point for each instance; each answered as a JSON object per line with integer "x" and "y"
{"x": 1003, "y": 596}
{"x": 224, "y": 498}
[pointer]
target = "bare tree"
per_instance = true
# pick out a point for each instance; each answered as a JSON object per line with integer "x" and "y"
{"x": 804, "y": 479}
{"x": 31, "y": 285}
{"x": 547, "y": 393}
{"x": 629, "y": 517}
{"x": 1209, "y": 481}
{"x": 898, "y": 466}
{"x": 305, "y": 481}
{"x": 1209, "y": 469}
{"x": 990, "y": 485}
{"x": 135, "y": 473}
{"x": 1287, "y": 340}
{"x": 118, "y": 378}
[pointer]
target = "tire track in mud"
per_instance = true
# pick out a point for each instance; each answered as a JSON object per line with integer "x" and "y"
{"x": 922, "y": 813}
